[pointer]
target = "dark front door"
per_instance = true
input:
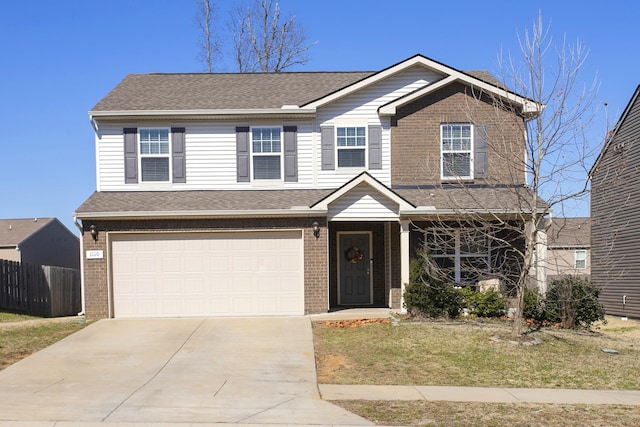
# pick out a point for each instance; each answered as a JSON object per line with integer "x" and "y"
{"x": 354, "y": 268}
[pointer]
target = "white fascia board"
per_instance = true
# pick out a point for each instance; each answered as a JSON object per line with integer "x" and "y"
{"x": 203, "y": 214}
{"x": 528, "y": 106}
{"x": 284, "y": 111}
{"x": 370, "y": 80}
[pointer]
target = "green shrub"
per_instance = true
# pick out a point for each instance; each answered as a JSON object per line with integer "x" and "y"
{"x": 573, "y": 301}
{"x": 534, "y": 306}
{"x": 489, "y": 303}
{"x": 428, "y": 293}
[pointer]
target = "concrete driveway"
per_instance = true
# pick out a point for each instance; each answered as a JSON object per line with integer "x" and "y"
{"x": 250, "y": 371}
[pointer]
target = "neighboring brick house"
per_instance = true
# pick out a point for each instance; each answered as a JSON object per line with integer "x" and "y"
{"x": 291, "y": 193}
{"x": 39, "y": 241}
{"x": 615, "y": 226}
{"x": 569, "y": 247}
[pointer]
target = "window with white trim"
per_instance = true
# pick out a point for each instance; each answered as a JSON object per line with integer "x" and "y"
{"x": 580, "y": 256}
{"x": 351, "y": 143}
{"x": 154, "y": 155}
{"x": 266, "y": 151}
{"x": 457, "y": 150}
{"x": 461, "y": 254}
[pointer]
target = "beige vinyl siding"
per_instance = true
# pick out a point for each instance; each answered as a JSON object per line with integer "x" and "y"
{"x": 363, "y": 202}
{"x": 361, "y": 109}
{"x": 561, "y": 261}
{"x": 10, "y": 254}
{"x": 615, "y": 190}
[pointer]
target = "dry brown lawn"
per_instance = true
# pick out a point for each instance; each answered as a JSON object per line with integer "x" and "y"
{"x": 481, "y": 354}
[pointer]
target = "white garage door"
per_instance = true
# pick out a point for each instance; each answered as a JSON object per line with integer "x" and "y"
{"x": 207, "y": 274}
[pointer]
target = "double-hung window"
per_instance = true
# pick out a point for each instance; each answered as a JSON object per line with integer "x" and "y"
{"x": 461, "y": 254}
{"x": 267, "y": 153}
{"x": 154, "y": 155}
{"x": 580, "y": 256}
{"x": 457, "y": 151}
{"x": 351, "y": 143}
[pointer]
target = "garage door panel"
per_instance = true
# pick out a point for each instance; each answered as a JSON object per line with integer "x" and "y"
{"x": 207, "y": 274}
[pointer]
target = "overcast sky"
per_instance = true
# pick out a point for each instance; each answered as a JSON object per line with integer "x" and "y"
{"x": 59, "y": 58}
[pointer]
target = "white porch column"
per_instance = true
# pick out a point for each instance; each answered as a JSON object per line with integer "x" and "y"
{"x": 404, "y": 260}
{"x": 541, "y": 260}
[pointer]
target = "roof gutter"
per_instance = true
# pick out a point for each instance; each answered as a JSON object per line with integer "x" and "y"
{"x": 296, "y": 212}
{"x": 285, "y": 111}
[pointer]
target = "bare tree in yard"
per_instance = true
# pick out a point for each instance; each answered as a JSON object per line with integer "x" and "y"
{"x": 262, "y": 42}
{"x": 210, "y": 49}
{"x": 503, "y": 236}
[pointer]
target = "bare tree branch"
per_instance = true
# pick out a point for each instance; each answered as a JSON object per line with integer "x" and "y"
{"x": 210, "y": 45}
{"x": 263, "y": 43}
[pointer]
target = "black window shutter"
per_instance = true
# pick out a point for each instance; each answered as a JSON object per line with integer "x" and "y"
{"x": 375, "y": 147}
{"x": 242, "y": 153}
{"x": 480, "y": 154}
{"x": 328, "y": 147}
{"x": 290, "y": 153}
{"x": 130, "y": 155}
{"x": 178, "y": 155}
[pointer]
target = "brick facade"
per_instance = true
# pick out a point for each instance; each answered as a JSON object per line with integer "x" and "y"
{"x": 96, "y": 273}
{"x": 415, "y": 136}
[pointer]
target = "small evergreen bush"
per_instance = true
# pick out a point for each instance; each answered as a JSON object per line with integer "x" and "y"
{"x": 489, "y": 303}
{"x": 573, "y": 301}
{"x": 428, "y": 293}
{"x": 534, "y": 307}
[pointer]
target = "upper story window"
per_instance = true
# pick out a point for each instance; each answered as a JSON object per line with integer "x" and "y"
{"x": 154, "y": 155}
{"x": 266, "y": 146}
{"x": 457, "y": 151}
{"x": 351, "y": 143}
{"x": 580, "y": 256}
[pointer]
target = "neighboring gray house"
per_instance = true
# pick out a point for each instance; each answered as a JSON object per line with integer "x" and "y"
{"x": 569, "y": 247}
{"x": 615, "y": 226}
{"x": 39, "y": 241}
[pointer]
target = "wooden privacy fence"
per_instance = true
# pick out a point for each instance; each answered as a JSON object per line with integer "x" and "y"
{"x": 39, "y": 290}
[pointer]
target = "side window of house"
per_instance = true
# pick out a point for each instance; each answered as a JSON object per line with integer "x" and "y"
{"x": 351, "y": 144}
{"x": 456, "y": 151}
{"x": 154, "y": 155}
{"x": 266, "y": 152}
{"x": 580, "y": 259}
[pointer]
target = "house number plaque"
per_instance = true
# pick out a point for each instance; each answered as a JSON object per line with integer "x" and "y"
{"x": 96, "y": 254}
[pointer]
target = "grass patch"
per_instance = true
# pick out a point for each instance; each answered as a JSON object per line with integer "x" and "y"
{"x": 475, "y": 354}
{"x": 15, "y": 317}
{"x": 423, "y": 413}
{"x": 19, "y": 341}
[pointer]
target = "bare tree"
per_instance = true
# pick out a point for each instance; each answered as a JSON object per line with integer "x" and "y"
{"x": 504, "y": 236}
{"x": 263, "y": 42}
{"x": 210, "y": 46}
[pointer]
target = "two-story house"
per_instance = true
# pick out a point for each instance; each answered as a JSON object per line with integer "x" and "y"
{"x": 291, "y": 193}
{"x": 615, "y": 222}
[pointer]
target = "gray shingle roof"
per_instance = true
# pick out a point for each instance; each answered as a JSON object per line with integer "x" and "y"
{"x": 159, "y": 92}
{"x": 202, "y": 200}
{"x": 205, "y": 201}
{"x": 16, "y": 231}
{"x": 569, "y": 232}
{"x": 229, "y": 91}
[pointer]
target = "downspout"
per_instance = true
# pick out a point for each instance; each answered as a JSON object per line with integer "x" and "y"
{"x": 94, "y": 123}
{"x": 80, "y": 227}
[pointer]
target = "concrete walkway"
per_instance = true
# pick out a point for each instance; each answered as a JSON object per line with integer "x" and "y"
{"x": 479, "y": 394}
